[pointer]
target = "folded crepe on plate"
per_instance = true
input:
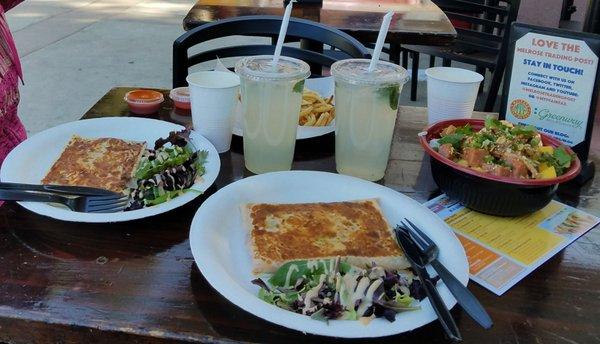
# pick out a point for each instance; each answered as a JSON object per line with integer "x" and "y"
{"x": 355, "y": 230}
{"x": 106, "y": 163}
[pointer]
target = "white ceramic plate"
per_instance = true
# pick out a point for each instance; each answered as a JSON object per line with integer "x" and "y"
{"x": 218, "y": 242}
{"x": 324, "y": 86}
{"x": 30, "y": 161}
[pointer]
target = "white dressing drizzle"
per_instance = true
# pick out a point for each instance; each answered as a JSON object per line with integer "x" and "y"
{"x": 314, "y": 292}
{"x": 324, "y": 265}
{"x": 367, "y": 300}
{"x": 363, "y": 284}
{"x": 350, "y": 282}
{"x": 338, "y": 287}
{"x": 293, "y": 268}
{"x": 312, "y": 264}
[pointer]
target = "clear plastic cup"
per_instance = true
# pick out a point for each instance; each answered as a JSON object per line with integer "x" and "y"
{"x": 366, "y": 105}
{"x": 271, "y": 100}
{"x": 451, "y": 93}
{"x": 213, "y": 97}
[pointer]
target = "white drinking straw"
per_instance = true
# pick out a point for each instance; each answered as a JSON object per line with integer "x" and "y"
{"x": 385, "y": 24}
{"x": 282, "y": 30}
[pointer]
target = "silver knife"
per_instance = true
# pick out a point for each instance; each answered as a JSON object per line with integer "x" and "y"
{"x": 463, "y": 296}
{"x": 429, "y": 252}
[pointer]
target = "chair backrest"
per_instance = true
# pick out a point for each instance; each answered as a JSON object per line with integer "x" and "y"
{"x": 487, "y": 22}
{"x": 264, "y": 26}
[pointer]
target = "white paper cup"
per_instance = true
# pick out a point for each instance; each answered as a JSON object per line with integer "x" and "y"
{"x": 213, "y": 95}
{"x": 451, "y": 93}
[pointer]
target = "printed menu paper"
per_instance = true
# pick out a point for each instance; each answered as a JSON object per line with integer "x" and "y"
{"x": 503, "y": 250}
{"x": 551, "y": 85}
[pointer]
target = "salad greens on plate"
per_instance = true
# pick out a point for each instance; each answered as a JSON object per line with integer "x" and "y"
{"x": 166, "y": 171}
{"x": 328, "y": 289}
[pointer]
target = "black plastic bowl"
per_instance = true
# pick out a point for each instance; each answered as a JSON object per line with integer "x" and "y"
{"x": 486, "y": 193}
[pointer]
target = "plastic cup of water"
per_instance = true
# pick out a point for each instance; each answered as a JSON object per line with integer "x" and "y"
{"x": 451, "y": 93}
{"x": 213, "y": 95}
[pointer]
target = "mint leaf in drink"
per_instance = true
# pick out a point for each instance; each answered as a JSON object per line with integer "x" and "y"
{"x": 394, "y": 97}
{"x": 299, "y": 86}
{"x": 392, "y": 94}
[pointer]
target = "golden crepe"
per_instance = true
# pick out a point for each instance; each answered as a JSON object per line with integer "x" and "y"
{"x": 106, "y": 163}
{"x": 355, "y": 230}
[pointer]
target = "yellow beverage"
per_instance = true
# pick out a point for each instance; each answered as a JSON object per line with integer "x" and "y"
{"x": 366, "y": 107}
{"x": 271, "y": 101}
{"x": 269, "y": 126}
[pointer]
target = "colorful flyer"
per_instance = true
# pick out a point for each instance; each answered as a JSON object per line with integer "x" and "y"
{"x": 503, "y": 250}
{"x": 551, "y": 85}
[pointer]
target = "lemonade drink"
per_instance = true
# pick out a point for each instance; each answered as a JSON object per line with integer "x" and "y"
{"x": 271, "y": 102}
{"x": 366, "y": 106}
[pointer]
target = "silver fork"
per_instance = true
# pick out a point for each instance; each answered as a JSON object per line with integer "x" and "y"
{"x": 85, "y": 204}
{"x": 464, "y": 297}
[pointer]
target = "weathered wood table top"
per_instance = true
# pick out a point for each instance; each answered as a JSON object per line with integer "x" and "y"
{"x": 136, "y": 282}
{"x": 415, "y": 21}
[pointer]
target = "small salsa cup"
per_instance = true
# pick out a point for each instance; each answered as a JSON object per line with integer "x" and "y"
{"x": 181, "y": 100}
{"x": 144, "y": 102}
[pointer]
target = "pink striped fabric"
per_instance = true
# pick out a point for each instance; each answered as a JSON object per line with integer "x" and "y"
{"x": 12, "y": 131}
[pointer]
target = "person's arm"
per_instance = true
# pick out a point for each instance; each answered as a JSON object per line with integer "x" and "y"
{"x": 8, "y": 4}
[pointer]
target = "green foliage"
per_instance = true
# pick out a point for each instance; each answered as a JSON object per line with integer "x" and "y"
{"x": 300, "y": 268}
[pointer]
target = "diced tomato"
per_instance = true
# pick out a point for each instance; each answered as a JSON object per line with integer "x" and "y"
{"x": 501, "y": 171}
{"x": 446, "y": 150}
{"x": 519, "y": 169}
{"x": 474, "y": 156}
{"x": 496, "y": 170}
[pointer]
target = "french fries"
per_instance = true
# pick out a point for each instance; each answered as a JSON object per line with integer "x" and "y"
{"x": 316, "y": 111}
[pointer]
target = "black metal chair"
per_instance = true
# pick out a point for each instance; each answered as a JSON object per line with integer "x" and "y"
{"x": 484, "y": 44}
{"x": 264, "y": 26}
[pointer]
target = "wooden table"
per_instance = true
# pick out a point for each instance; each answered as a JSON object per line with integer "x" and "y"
{"x": 415, "y": 22}
{"x": 136, "y": 281}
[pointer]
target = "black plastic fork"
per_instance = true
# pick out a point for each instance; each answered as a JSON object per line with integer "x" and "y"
{"x": 85, "y": 204}
{"x": 464, "y": 297}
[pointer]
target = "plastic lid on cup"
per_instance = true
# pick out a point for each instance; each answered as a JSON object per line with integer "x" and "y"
{"x": 180, "y": 94}
{"x": 261, "y": 68}
{"x": 356, "y": 71}
{"x": 144, "y": 97}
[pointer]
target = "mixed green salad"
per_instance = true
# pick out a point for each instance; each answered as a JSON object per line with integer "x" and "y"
{"x": 166, "y": 171}
{"x": 332, "y": 289}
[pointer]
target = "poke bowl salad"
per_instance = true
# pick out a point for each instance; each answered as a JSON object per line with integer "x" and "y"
{"x": 497, "y": 167}
{"x": 503, "y": 149}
